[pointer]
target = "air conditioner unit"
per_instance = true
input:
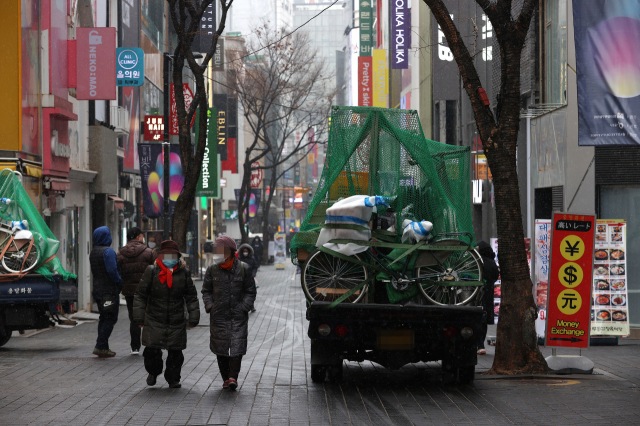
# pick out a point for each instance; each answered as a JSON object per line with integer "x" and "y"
{"x": 121, "y": 120}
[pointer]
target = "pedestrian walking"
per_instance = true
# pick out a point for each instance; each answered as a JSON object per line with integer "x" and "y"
{"x": 208, "y": 253}
{"x": 107, "y": 285}
{"x": 159, "y": 307}
{"x": 133, "y": 260}
{"x": 228, "y": 293}
{"x": 246, "y": 256}
{"x": 491, "y": 275}
{"x": 258, "y": 250}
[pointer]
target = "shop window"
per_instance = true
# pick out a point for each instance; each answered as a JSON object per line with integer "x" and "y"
{"x": 555, "y": 54}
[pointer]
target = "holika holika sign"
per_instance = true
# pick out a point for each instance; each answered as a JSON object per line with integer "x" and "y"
{"x": 209, "y": 181}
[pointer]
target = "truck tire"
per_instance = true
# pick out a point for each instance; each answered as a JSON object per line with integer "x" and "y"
{"x": 318, "y": 373}
{"x": 336, "y": 373}
{"x": 4, "y": 339}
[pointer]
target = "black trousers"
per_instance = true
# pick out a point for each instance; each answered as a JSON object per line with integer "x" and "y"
{"x": 229, "y": 366}
{"x": 106, "y": 322}
{"x": 153, "y": 363}
{"x": 134, "y": 330}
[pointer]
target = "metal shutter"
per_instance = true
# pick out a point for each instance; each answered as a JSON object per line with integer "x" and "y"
{"x": 557, "y": 198}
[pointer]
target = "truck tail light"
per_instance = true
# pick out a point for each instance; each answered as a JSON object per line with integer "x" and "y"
{"x": 449, "y": 332}
{"x": 341, "y": 330}
{"x": 466, "y": 332}
{"x": 324, "y": 330}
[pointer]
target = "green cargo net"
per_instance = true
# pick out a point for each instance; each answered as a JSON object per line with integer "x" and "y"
{"x": 377, "y": 151}
{"x": 22, "y": 208}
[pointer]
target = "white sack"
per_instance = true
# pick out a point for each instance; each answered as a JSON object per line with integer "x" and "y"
{"x": 416, "y": 231}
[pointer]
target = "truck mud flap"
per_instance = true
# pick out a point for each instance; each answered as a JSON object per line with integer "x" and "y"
{"x": 324, "y": 354}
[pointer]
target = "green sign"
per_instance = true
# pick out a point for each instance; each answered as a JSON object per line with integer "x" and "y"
{"x": 209, "y": 181}
{"x": 366, "y": 27}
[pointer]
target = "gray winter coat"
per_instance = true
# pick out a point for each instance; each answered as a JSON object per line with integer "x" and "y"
{"x": 228, "y": 298}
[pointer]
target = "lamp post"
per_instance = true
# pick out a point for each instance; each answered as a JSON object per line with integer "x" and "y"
{"x": 166, "y": 147}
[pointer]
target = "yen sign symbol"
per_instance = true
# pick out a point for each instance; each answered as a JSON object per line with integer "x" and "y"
{"x": 572, "y": 247}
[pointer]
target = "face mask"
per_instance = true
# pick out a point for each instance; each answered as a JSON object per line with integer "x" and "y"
{"x": 246, "y": 253}
{"x": 170, "y": 263}
{"x": 218, "y": 258}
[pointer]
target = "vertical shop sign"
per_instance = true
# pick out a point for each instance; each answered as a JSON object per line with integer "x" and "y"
{"x": 208, "y": 183}
{"x": 231, "y": 163}
{"x": 380, "y": 80}
{"x": 96, "y": 63}
{"x": 364, "y": 81}
{"x": 217, "y": 61}
{"x": 568, "y": 307}
{"x": 610, "y": 315}
{"x": 400, "y": 34}
{"x": 204, "y": 38}
{"x": 153, "y": 128}
{"x": 131, "y": 102}
{"x": 366, "y": 27}
{"x": 220, "y": 103}
{"x": 541, "y": 276}
{"x": 280, "y": 250}
{"x": 173, "y": 112}
{"x": 129, "y": 66}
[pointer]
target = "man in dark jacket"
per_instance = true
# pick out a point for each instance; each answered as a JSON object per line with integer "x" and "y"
{"x": 159, "y": 307}
{"x": 107, "y": 285}
{"x": 246, "y": 256}
{"x": 228, "y": 292}
{"x": 491, "y": 275}
{"x": 257, "y": 250}
{"x": 133, "y": 260}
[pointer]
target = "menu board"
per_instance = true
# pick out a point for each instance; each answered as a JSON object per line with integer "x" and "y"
{"x": 541, "y": 275}
{"x": 497, "y": 288}
{"x": 609, "y": 312}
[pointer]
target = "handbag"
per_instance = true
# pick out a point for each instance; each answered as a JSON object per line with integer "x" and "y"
{"x": 109, "y": 302}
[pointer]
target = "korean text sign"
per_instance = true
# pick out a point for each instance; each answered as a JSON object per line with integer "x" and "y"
{"x": 365, "y": 75}
{"x": 130, "y": 66}
{"x": 366, "y": 27}
{"x": 569, "y": 295}
{"x": 96, "y": 63}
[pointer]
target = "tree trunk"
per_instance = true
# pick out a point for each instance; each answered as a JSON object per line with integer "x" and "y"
{"x": 243, "y": 200}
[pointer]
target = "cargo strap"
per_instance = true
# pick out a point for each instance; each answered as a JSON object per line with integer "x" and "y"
{"x": 409, "y": 251}
{"x": 451, "y": 283}
{"x": 427, "y": 247}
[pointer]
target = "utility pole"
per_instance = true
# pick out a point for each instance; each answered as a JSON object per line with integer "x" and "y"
{"x": 166, "y": 148}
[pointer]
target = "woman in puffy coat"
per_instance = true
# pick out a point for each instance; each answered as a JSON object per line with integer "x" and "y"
{"x": 159, "y": 307}
{"x": 228, "y": 293}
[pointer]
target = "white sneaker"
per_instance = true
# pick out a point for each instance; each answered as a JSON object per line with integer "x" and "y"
{"x": 135, "y": 352}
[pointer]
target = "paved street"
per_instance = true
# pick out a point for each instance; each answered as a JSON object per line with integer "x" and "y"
{"x": 52, "y": 379}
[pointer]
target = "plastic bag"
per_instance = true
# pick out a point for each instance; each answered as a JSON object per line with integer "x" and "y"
{"x": 416, "y": 231}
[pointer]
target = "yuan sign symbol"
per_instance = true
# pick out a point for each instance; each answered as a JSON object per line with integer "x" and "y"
{"x": 94, "y": 37}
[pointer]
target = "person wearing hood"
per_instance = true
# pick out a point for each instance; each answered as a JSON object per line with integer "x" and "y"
{"x": 164, "y": 291}
{"x": 491, "y": 275}
{"x": 107, "y": 285}
{"x": 257, "y": 250}
{"x": 133, "y": 260}
{"x": 246, "y": 256}
{"x": 228, "y": 293}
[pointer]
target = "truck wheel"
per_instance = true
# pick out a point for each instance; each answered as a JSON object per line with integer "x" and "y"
{"x": 335, "y": 373}
{"x": 4, "y": 339}
{"x": 318, "y": 373}
{"x": 466, "y": 374}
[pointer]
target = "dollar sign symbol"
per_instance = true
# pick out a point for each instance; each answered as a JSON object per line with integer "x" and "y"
{"x": 572, "y": 278}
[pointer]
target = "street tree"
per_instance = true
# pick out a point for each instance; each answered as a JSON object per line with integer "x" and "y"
{"x": 516, "y": 347}
{"x": 186, "y": 16}
{"x": 285, "y": 95}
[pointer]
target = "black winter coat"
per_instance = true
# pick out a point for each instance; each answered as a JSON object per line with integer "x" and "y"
{"x": 133, "y": 260}
{"x": 228, "y": 298}
{"x": 250, "y": 260}
{"x": 162, "y": 309}
{"x": 491, "y": 275}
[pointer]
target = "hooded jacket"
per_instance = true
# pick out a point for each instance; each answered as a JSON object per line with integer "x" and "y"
{"x": 104, "y": 265}
{"x": 491, "y": 275}
{"x": 250, "y": 260}
{"x": 257, "y": 248}
{"x": 133, "y": 260}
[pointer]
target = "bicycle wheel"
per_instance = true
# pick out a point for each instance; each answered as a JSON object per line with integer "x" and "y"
{"x": 451, "y": 266}
{"x": 325, "y": 278}
{"x": 14, "y": 258}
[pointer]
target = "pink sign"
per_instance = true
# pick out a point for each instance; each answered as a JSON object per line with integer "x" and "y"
{"x": 96, "y": 60}
{"x": 173, "y": 114}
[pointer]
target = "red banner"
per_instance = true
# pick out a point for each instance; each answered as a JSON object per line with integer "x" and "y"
{"x": 231, "y": 163}
{"x": 570, "y": 278}
{"x": 96, "y": 63}
{"x": 365, "y": 76}
{"x": 153, "y": 128}
{"x": 173, "y": 112}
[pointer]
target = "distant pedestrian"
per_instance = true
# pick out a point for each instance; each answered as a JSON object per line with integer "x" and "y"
{"x": 165, "y": 298}
{"x": 107, "y": 285}
{"x": 491, "y": 275}
{"x": 258, "y": 250}
{"x": 208, "y": 253}
{"x": 246, "y": 256}
{"x": 228, "y": 293}
{"x": 133, "y": 260}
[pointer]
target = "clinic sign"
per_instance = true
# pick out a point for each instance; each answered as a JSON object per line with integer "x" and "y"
{"x": 129, "y": 66}
{"x": 570, "y": 278}
{"x": 96, "y": 64}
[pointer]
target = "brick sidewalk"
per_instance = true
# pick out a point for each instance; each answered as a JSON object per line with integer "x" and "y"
{"x": 52, "y": 379}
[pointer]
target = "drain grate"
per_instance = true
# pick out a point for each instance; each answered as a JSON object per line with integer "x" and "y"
{"x": 75, "y": 359}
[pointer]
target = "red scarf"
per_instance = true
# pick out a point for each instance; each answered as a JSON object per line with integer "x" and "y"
{"x": 166, "y": 275}
{"x": 228, "y": 264}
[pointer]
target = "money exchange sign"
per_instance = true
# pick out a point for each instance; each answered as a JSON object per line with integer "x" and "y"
{"x": 569, "y": 297}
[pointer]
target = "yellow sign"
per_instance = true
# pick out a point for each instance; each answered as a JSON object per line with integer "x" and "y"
{"x": 311, "y": 158}
{"x": 572, "y": 247}
{"x": 11, "y": 82}
{"x": 380, "y": 78}
{"x": 287, "y": 214}
{"x": 569, "y": 302}
{"x": 570, "y": 275}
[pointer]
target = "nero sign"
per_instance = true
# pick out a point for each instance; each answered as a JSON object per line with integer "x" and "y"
{"x": 400, "y": 34}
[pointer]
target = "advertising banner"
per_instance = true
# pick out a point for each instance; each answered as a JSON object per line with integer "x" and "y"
{"x": 569, "y": 293}
{"x": 153, "y": 128}
{"x": 380, "y": 80}
{"x": 173, "y": 110}
{"x": 220, "y": 103}
{"x": 151, "y": 173}
{"x": 364, "y": 81}
{"x": 254, "y": 203}
{"x": 129, "y": 66}
{"x": 541, "y": 275}
{"x": 217, "y": 61}
{"x": 609, "y": 315}
{"x": 608, "y": 64}
{"x": 208, "y": 183}
{"x": 497, "y": 287}
{"x": 231, "y": 163}
{"x": 400, "y": 34}
{"x": 256, "y": 175}
{"x": 204, "y": 37}
{"x": 366, "y": 27}
{"x": 131, "y": 102}
{"x": 96, "y": 64}
{"x": 280, "y": 248}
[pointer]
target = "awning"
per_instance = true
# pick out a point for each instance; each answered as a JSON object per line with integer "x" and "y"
{"x": 118, "y": 203}
{"x": 58, "y": 184}
{"x": 8, "y": 165}
{"x": 33, "y": 171}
